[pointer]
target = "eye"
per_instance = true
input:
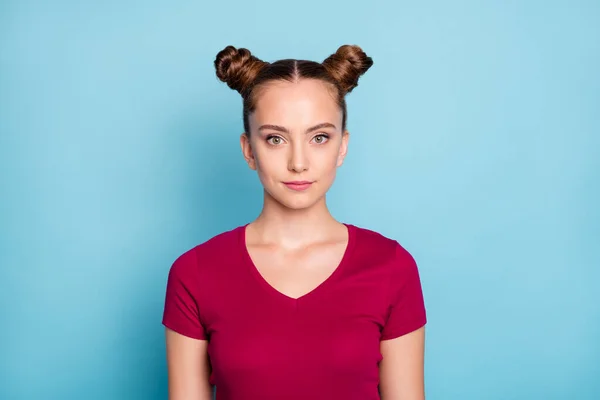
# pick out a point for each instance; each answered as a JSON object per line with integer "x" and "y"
{"x": 274, "y": 140}
{"x": 320, "y": 139}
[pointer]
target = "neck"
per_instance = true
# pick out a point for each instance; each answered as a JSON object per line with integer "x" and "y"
{"x": 280, "y": 225}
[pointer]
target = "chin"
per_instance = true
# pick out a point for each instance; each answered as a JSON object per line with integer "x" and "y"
{"x": 296, "y": 202}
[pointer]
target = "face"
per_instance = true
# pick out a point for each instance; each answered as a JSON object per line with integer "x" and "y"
{"x": 296, "y": 141}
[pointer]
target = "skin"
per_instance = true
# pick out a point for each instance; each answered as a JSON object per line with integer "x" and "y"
{"x": 295, "y": 242}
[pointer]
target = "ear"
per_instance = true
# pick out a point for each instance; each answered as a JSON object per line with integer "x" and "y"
{"x": 247, "y": 150}
{"x": 343, "y": 148}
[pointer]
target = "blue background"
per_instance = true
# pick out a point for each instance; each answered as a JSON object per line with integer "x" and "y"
{"x": 475, "y": 143}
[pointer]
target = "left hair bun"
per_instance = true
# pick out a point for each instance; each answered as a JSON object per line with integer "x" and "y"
{"x": 238, "y": 68}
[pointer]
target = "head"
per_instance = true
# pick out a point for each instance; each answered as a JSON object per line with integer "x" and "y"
{"x": 295, "y": 116}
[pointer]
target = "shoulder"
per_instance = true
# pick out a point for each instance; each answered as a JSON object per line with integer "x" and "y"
{"x": 376, "y": 242}
{"x": 377, "y": 246}
{"x": 206, "y": 253}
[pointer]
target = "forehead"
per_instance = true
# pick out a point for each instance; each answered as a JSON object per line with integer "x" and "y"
{"x": 296, "y": 104}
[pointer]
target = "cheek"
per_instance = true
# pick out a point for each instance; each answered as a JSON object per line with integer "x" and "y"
{"x": 328, "y": 158}
{"x": 267, "y": 163}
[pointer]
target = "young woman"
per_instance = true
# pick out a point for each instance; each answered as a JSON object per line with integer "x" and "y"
{"x": 295, "y": 305}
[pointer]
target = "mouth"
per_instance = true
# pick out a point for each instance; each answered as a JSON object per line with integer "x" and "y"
{"x": 298, "y": 185}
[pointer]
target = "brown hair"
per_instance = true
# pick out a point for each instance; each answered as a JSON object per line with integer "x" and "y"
{"x": 245, "y": 73}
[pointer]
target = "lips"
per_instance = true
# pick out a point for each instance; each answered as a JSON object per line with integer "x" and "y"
{"x": 298, "y": 185}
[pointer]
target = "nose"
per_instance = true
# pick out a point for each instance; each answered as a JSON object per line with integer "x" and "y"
{"x": 298, "y": 161}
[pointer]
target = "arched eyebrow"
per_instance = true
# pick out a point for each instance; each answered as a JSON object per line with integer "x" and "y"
{"x": 279, "y": 128}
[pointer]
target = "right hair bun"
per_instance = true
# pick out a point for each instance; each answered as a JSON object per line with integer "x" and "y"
{"x": 238, "y": 68}
{"x": 346, "y": 65}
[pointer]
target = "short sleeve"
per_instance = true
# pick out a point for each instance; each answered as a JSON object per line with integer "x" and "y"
{"x": 181, "y": 312}
{"x": 406, "y": 303}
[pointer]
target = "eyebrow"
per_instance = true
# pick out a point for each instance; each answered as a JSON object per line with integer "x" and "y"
{"x": 285, "y": 130}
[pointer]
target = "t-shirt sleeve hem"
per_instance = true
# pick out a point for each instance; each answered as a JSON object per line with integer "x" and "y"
{"x": 185, "y": 332}
{"x": 408, "y": 328}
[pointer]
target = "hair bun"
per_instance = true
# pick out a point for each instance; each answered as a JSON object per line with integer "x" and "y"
{"x": 238, "y": 68}
{"x": 347, "y": 65}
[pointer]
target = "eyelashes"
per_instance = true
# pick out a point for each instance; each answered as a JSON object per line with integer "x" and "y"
{"x": 275, "y": 140}
{"x": 324, "y": 138}
{"x": 271, "y": 139}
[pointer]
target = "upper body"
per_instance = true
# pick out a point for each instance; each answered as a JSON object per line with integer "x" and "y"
{"x": 295, "y": 304}
{"x": 324, "y": 344}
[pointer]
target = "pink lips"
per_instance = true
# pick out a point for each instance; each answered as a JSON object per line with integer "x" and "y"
{"x": 298, "y": 185}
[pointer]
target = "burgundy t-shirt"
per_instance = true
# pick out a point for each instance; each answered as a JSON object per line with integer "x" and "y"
{"x": 265, "y": 345}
